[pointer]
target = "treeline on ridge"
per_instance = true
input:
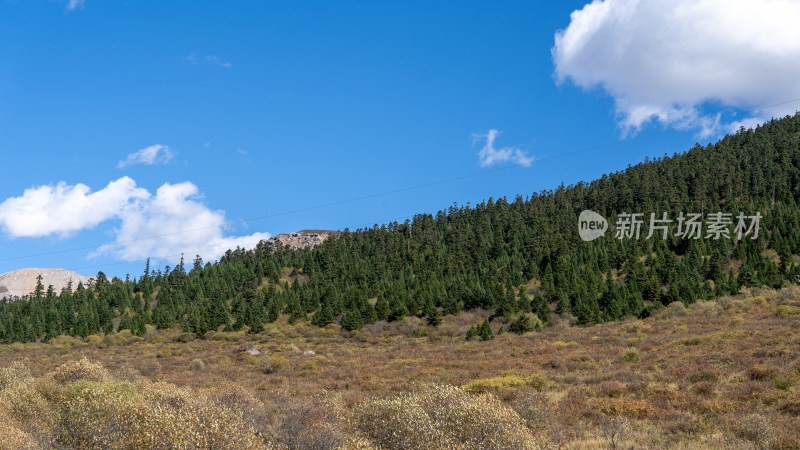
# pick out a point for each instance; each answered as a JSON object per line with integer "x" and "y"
{"x": 517, "y": 258}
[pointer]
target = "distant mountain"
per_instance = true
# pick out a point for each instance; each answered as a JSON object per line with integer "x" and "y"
{"x": 23, "y": 281}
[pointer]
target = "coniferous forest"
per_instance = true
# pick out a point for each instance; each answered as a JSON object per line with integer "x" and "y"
{"x": 510, "y": 256}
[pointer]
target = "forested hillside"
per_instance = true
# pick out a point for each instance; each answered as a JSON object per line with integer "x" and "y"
{"x": 517, "y": 257}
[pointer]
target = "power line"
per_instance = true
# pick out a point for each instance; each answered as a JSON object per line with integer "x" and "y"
{"x": 390, "y": 192}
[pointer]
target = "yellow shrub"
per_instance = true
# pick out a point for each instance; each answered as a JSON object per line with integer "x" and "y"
{"x": 123, "y": 337}
{"x": 630, "y": 356}
{"x": 96, "y": 340}
{"x": 28, "y": 407}
{"x": 535, "y": 381}
{"x": 62, "y": 341}
{"x": 307, "y": 368}
{"x": 148, "y": 415}
{"x": 81, "y": 370}
{"x": 14, "y": 374}
{"x": 275, "y": 362}
{"x": 442, "y": 417}
{"x": 13, "y": 438}
{"x": 786, "y": 310}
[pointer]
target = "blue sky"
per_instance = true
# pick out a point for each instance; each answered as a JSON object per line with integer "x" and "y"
{"x": 133, "y": 129}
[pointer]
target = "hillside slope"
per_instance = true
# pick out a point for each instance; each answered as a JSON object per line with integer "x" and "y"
{"x": 521, "y": 259}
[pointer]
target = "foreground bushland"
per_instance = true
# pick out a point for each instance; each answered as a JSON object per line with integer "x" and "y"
{"x": 723, "y": 373}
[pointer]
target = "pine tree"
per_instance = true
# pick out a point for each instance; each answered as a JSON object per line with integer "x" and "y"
{"x": 323, "y": 317}
{"x": 472, "y": 332}
{"x": 434, "y": 317}
{"x": 352, "y": 321}
{"x": 382, "y": 308}
{"x": 485, "y": 331}
{"x": 522, "y": 325}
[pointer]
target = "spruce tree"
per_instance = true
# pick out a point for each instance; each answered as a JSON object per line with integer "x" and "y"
{"x": 485, "y": 331}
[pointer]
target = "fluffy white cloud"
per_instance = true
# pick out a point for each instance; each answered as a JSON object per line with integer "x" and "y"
{"x": 174, "y": 222}
{"x": 489, "y": 155}
{"x": 64, "y": 209}
{"x": 663, "y": 59}
{"x": 164, "y": 225}
{"x": 154, "y": 154}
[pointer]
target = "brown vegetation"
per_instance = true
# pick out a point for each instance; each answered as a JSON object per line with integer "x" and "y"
{"x": 714, "y": 374}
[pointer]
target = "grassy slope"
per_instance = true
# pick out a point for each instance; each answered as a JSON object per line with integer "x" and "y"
{"x": 724, "y": 373}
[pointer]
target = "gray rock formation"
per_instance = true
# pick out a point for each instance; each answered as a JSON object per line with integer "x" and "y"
{"x": 23, "y": 281}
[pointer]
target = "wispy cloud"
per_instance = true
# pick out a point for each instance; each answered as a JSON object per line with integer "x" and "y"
{"x": 72, "y": 5}
{"x": 489, "y": 155}
{"x": 217, "y": 61}
{"x": 209, "y": 59}
{"x": 154, "y": 154}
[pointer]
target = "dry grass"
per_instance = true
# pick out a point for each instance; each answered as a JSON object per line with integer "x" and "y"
{"x": 715, "y": 374}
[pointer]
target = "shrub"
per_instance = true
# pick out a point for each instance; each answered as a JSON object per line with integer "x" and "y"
{"x": 150, "y": 369}
{"x": 442, "y": 417}
{"x": 630, "y": 355}
{"x": 703, "y": 375}
{"x": 756, "y": 429}
{"x": 704, "y": 388}
{"x": 786, "y": 310}
{"x": 197, "y": 365}
{"x": 535, "y": 381}
{"x": 273, "y": 363}
{"x": 674, "y": 309}
{"x": 81, "y": 370}
{"x": 613, "y": 388}
{"x": 95, "y": 340}
{"x": 14, "y": 374}
{"x": 791, "y": 407}
{"x": 12, "y": 437}
{"x": 762, "y": 373}
{"x": 28, "y": 407}
{"x": 123, "y": 337}
{"x": 159, "y": 415}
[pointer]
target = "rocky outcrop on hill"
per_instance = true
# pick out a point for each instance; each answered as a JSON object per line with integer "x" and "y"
{"x": 302, "y": 238}
{"x": 23, "y": 281}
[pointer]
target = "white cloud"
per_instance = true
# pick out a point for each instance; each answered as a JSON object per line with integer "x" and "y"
{"x": 216, "y": 60}
{"x": 72, "y": 5}
{"x": 64, "y": 209}
{"x": 664, "y": 59}
{"x": 171, "y": 222}
{"x": 489, "y": 155}
{"x": 154, "y": 154}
